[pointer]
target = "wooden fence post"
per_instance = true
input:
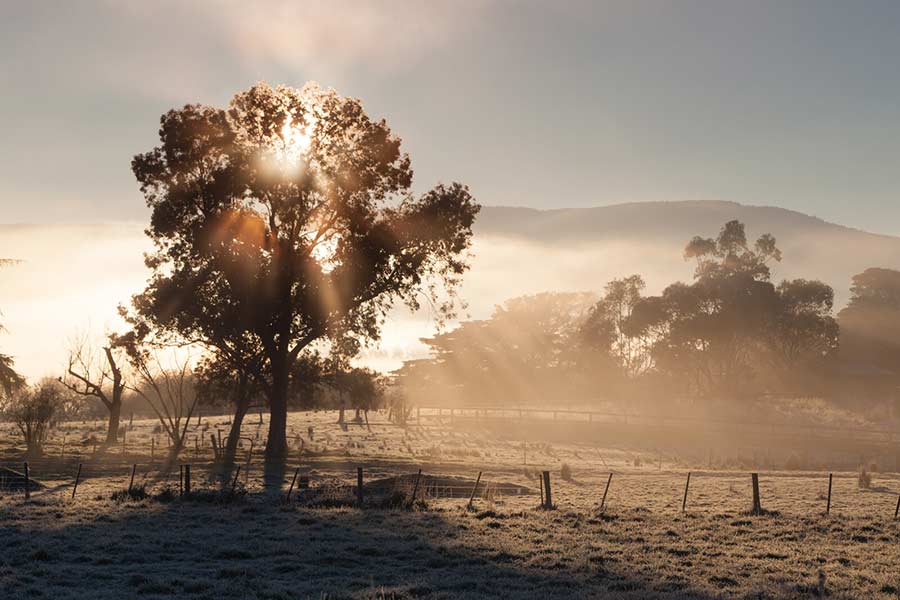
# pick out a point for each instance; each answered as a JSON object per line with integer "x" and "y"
{"x": 828, "y": 504}
{"x": 359, "y": 486}
{"x": 757, "y": 507}
{"x": 548, "y": 498}
{"x": 234, "y": 481}
{"x": 77, "y": 478}
{"x": 293, "y": 481}
{"x": 686, "y": 486}
{"x": 897, "y": 510}
{"x": 474, "y": 488}
{"x": 180, "y": 481}
{"x": 187, "y": 480}
{"x": 416, "y": 488}
{"x": 152, "y": 448}
{"x": 605, "y": 491}
{"x": 131, "y": 482}
{"x": 27, "y": 483}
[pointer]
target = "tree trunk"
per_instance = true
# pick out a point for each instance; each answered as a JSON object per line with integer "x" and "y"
{"x": 112, "y": 429}
{"x": 174, "y": 451}
{"x": 276, "y": 445}
{"x": 240, "y": 410}
{"x": 341, "y": 415}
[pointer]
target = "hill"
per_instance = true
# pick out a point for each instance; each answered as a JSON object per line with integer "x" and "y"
{"x": 649, "y": 238}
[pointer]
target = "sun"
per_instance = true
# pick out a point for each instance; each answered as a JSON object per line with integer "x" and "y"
{"x": 295, "y": 142}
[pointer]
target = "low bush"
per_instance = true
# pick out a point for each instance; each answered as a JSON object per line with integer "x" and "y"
{"x": 864, "y": 480}
{"x": 135, "y": 494}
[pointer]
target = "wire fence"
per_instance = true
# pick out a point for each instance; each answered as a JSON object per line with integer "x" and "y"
{"x": 402, "y": 486}
{"x": 318, "y": 467}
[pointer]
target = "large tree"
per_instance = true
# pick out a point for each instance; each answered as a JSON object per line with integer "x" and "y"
{"x": 803, "y": 331}
{"x": 285, "y": 219}
{"x": 725, "y": 332}
{"x": 606, "y": 329}
{"x": 709, "y": 331}
{"x": 870, "y": 323}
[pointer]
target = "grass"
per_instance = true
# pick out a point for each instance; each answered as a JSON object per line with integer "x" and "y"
{"x": 222, "y": 551}
{"x": 214, "y": 544}
{"x": 134, "y": 494}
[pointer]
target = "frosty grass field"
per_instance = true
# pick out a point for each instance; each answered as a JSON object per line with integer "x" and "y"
{"x": 255, "y": 545}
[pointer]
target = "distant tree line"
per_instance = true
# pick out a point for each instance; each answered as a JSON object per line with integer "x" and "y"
{"x": 729, "y": 334}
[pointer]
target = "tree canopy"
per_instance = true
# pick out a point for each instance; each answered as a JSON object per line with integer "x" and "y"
{"x": 870, "y": 323}
{"x": 525, "y": 351}
{"x": 720, "y": 335}
{"x": 730, "y": 333}
{"x": 286, "y": 221}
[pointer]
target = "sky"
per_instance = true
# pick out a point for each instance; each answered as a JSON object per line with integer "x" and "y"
{"x": 541, "y": 104}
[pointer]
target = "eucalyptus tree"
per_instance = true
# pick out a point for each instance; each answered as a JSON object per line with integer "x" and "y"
{"x": 286, "y": 220}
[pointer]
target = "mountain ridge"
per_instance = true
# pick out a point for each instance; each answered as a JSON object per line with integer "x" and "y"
{"x": 747, "y": 213}
{"x": 493, "y": 211}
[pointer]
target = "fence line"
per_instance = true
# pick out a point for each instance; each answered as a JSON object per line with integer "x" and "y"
{"x": 605, "y": 417}
{"x": 226, "y": 483}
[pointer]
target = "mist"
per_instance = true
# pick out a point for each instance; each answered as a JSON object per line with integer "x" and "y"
{"x": 72, "y": 278}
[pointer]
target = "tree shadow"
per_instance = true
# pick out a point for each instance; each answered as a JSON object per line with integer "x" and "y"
{"x": 258, "y": 549}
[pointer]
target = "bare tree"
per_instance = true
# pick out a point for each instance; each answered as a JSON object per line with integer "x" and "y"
{"x": 171, "y": 393}
{"x": 93, "y": 374}
{"x": 35, "y": 410}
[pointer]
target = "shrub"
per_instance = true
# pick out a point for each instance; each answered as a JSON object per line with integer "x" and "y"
{"x": 566, "y": 472}
{"x": 35, "y": 411}
{"x": 864, "y": 480}
{"x": 136, "y": 493}
{"x": 167, "y": 494}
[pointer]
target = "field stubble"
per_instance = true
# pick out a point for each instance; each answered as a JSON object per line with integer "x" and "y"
{"x": 256, "y": 546}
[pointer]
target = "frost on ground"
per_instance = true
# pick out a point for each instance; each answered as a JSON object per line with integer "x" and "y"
{"x": 255, "y": 545}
